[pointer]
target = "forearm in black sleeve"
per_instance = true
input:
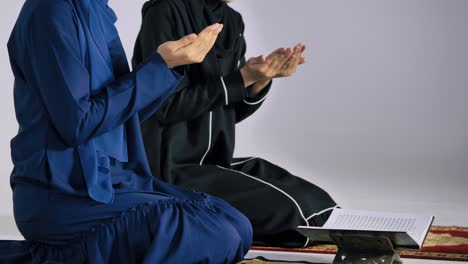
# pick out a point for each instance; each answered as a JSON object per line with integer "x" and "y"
{"x": 193, "y": 99}
{"x": 251, "y": 103}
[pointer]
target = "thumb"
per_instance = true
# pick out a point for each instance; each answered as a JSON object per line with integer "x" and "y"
{"x": 258, "y": 60}
{"x": 185, "y": 41}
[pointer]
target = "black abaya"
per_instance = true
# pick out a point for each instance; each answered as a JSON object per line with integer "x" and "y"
{"x": 190, "y": 140}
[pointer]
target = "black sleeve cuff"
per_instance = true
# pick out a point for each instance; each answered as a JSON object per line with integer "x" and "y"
{"x": 257, "y": 98}
{"x": 234, "y": 89}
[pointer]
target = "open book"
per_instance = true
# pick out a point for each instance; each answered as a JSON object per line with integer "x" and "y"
{"x": 404, "y": 230}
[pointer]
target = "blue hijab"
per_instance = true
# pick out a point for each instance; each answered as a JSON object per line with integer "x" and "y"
{"x": 103, "y": 51}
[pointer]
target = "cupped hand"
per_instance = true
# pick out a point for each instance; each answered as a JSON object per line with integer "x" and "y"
{"x": 290, "y": 67}
{"x": 265, "y": 68}
{"x": 191, "y": 48}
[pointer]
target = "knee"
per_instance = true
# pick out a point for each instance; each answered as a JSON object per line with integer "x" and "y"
{"x": 240, "y": 229}
{"x": 244, "y": 230}
{"x": 236, "y": 239}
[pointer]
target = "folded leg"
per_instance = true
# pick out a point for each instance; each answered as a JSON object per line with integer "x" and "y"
{"x": 135, "y": 228}
{"x": 274, "y": 200}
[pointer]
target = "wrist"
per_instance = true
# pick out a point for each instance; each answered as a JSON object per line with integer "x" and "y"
{"x": 248, "y": 78}
{"x": 259, "y": 86}
{"x": 262, "y": 83}
{"x": 169, "y": 63}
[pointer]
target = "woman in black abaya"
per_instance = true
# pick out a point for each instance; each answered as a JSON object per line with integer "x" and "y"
{"x": 190, "y": 140}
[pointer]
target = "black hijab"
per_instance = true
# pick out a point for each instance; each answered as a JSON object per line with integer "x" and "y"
{"x": 198, "y": 14}
{"x": 207, "y": 12}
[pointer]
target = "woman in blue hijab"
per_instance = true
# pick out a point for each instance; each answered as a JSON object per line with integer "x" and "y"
{"x": 82, "y": 188}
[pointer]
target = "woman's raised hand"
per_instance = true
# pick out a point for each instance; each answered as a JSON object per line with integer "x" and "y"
{"x": 191, "y": 48}
{"x": 282, "y": 62}
{"x": 290, "y": 67}
{"x": 264, "y": 68}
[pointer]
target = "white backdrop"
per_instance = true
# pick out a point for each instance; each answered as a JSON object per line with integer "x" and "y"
{"x": 378, "y": 115}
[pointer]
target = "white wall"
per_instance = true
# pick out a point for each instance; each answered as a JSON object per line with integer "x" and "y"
{"x": 378, "y": 116}
{"x": 8, "y": 14}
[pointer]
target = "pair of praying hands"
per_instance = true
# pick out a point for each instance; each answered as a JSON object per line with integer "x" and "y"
{"x": 282, "y": 62}
{"x": 258, "y": 71}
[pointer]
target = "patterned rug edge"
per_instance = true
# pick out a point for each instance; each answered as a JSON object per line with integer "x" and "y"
{"x": 430, "y": 252}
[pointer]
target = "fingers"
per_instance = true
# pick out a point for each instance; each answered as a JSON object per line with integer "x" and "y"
{"x": 189, "y": 39}
{"x": 199, "y": 46}
{"x": 296, "y": 59}
{"x": 287, "y": 57}
{"x": 269, "y": 66}
{"x": 210, "y": 34}
{"x": 304, "y": 47}
{"x": 275, "y": 54}
{"x": 214, "y": 27}
{"x": 303, "y": 60}
{"x": 183, "y": 42}
{"x": 282, "y": 62}
{"x": 213, "y": 37}
{"x": 275, "y": 66}
{"x": 191, "y": 48}
{"x": 300, "y": 50}
{"x": 207, "y": 39}
{"x": 293, "y": 62}
{"x": 257, "y": 60}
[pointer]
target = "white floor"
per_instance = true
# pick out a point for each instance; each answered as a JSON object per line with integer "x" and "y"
{"x": 8, "y": 230}
{"x": 447, "y": 201}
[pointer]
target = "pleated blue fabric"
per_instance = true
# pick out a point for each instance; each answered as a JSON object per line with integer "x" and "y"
{"x": 166, "y": 226}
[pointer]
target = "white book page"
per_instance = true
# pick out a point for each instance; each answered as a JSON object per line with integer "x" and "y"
{"x": 348, "y": 219}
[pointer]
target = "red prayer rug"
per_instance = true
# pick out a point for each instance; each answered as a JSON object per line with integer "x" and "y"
{"x": 442, "y": 243}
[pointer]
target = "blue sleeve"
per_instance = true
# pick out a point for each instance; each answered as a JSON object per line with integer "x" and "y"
{"x": 63, "y": 81}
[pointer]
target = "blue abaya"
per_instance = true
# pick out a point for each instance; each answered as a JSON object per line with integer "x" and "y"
{"x": 82, "y": 188}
